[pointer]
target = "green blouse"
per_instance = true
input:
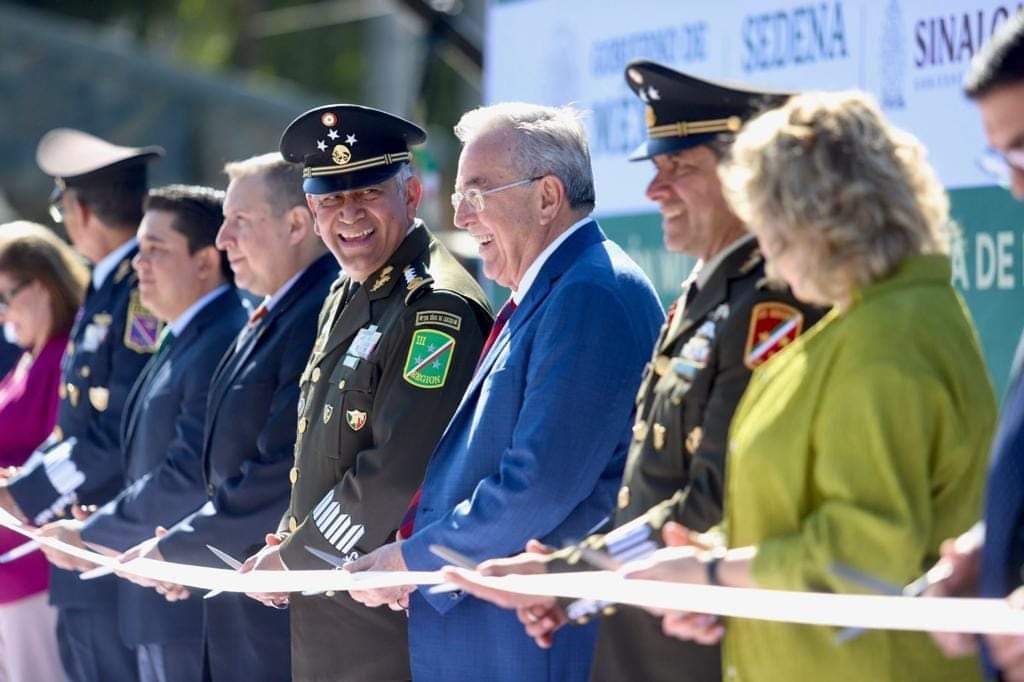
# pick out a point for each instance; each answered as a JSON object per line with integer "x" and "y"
{"x": 864, "y": 443}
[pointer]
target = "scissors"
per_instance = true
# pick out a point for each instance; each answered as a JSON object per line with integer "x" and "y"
{"x": 915, "y": 588}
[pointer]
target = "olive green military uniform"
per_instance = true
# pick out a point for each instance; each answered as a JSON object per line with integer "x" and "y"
{"x": 675, "y": 469}
{"x": 390, "y": 364}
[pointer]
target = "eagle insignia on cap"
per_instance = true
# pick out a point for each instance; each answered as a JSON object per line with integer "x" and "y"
{"x": 340, "y": 154}
{"x": 329, "y": 119}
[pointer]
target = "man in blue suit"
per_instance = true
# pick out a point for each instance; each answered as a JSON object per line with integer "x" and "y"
{"x": 269, "y": 237}
{"x": 98, "y": 195}
{"x": 537, "y": 446}
{"x": 186, "y": 282}
{"x": 989, "y": 562}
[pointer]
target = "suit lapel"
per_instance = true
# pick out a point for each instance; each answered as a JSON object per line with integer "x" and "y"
{"x": 556, "y": 265}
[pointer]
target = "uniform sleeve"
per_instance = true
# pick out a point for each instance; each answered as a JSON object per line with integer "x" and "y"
{"x": 90, "y": 464}
{"x": 701, "y": 506}
{"x": 584, "y": 368}
{"x": 873, "y": 443}
{"x": 171, "y": 490}
{"x": 365, "y": 507}
{"x": 250, "y": 504}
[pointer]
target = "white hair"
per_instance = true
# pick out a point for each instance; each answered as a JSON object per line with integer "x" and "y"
{"x": 548, "y": 140}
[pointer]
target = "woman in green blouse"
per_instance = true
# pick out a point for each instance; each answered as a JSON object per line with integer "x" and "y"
{"x": 864, "y": 443}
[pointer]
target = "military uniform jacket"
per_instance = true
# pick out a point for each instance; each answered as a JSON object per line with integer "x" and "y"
{"x": 698, "y": 372}
{"x": 387, "y": 371}
{"x": 249, "y": 448}
{"x": 162, "y": 439}
{"x": 112, "y": 339}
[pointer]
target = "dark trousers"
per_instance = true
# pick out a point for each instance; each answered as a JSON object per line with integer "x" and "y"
{"x": 171, "y": 661}
{"x": 91, "y": 648}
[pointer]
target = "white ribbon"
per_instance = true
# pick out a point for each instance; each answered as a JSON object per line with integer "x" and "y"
{"x": 988, "y": 616}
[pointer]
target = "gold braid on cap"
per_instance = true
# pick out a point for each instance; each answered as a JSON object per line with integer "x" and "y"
{"x": 383, "y": 160}
{"x": 684, "y": 128}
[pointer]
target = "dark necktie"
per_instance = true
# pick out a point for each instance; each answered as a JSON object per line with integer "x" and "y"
{"x": 408, "y": 524}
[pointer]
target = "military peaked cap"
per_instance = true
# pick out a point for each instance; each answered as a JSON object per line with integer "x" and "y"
{"x": 683, "y": 111}
{"x": 346, "y": 146}
{"x": 77, "y": 159}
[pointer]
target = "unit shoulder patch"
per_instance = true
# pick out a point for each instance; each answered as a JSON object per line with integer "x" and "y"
{"x": 773, "y": 326}
{"x": 141, "y": 328}
{"x": 439, "y": 318}
{"x": 429, "y": 358}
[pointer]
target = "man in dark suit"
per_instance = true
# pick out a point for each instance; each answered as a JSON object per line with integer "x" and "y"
{"x": 537, "y": 446}
{"x": 989, "y": 562}
{"x": 186, "y": 282}
{"x": 398, "y": 338}
{"x": 270, "y": 241}
{"x": 719, "y": 329}
{"x": 98, "y": 196}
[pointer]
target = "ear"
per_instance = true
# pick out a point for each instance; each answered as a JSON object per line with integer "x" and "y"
{"x": 300, "y": 223}
{"x": 208, "y": 259}
{"x": 413, "y": 195}
{"x": 552, "y": 198}
{"x": 312, "y": 211}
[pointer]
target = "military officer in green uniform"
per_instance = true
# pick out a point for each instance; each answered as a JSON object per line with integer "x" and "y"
{"x": 727, "y": 321}
{"x": 399, "y": 337}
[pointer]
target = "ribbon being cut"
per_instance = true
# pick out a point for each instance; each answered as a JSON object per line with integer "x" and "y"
{"x": 989, "y": 616}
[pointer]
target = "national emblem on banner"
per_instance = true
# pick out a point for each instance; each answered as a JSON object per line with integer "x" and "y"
{"x": 773, "y": 326}
{"x": 142, "y": 328}
{"x": 429, "y": 358}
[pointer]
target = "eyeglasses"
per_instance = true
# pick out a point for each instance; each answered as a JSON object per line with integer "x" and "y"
{"x": 475, "y": 196}
{"x": 1000, "y": 165}
{"x": 5, "y": 298}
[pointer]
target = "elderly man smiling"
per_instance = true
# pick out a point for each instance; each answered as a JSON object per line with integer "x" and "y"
{"x": 536, "y": 448}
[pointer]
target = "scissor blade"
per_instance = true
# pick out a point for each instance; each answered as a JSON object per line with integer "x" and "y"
{"x": 331, "y": 559}
{"x": 225, "y": 557}
{"x": 19, "y": 551}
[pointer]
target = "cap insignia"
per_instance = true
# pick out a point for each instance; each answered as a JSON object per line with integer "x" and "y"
{"x": 340, "y": 154}
{"x": 329, "y": 119}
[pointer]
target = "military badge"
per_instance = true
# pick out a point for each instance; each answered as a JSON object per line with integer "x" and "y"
{"x": 773, "y": 326}
{"x": 649, "y": 116}
{"x": 429, "y": 358}
{"x": 142, "y": 328}
{"x": 384, "y": 278}
{"x": 439, "y": 318}
{"x": 329, "y": 119}
{"x": 356, "y": 419}
{"x": 99, "y": 396}
{"x": 328, "y": 411}
{"x": 123, "y": 270}
{"x": 340, "y": 154}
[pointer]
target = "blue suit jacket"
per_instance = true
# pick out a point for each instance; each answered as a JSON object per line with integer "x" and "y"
{"x": 1002, "y": 556}
{"x": 162, "y": 436}
{"x": 248, "y": 451}
{"x": 535, "y": 450}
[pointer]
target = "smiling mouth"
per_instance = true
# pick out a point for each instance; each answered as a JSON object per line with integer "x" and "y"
{"x": 483, "y": 239}
{"x": 672, "y": 213}
{"x": 358, "y": 236}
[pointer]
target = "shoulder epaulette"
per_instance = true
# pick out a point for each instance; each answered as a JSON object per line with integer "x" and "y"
{"x": 417, "y": 281}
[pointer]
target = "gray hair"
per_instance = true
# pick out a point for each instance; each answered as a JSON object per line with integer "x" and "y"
{"x": 282, "y": 180}
{"x": 828, "y": 170}
{"x": 548, "y": 140}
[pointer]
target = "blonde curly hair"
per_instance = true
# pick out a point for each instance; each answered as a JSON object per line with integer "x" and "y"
{"x": 828, "y": 171}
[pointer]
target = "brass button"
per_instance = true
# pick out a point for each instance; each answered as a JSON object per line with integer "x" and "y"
{"x": 640, "y": 430}
{"x": 293, "y": 475}
{"x": 293, "y": 524}
{"x": 316, "y": 375}
{"x": 85, "y": 371}
{"x": 623, "y": 497}
{"x": 661, "y": 364}
{"x": 658, "y": 436}
{"x": 341, "y": 385}
{"x": 303, "y": 425}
